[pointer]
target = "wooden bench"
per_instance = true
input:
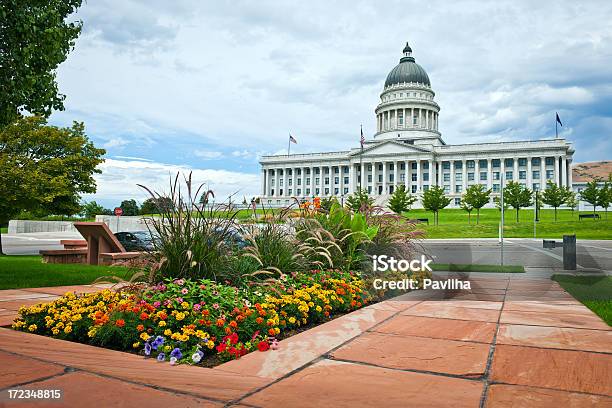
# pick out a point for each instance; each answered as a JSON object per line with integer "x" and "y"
{"x": 591, "y": 216}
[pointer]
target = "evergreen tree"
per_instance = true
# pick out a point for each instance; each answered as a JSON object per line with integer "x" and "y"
{"x": 401, "y": 200}
{"x": 477, "y": 196}
{"x": 434, "y": 200}
{"x": 359, "y": 200}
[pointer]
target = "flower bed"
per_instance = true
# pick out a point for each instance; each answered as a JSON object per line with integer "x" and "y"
{"x": 187, "y": 321}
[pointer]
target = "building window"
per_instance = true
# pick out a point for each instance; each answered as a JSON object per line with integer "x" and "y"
{"x": 495, "y": 162}
{"x": 336, "y": 170}
{"x": 496, "y": 188}
{"x": 550, "y": 161}
{"x": 369, "y": 189}
{"x": 509, "y": 175}
{"x": 413, "y": 165}
{"x": 535, "y": 174}
{"x": 272, "y": 192}
{"x": 550, "y": 174}
{"x": 346, "y": 170}
{"x": 535, "y": 161}
{"x": 446, "y": 189}
{"x": 496, "y": 175}
{"x": 307, "y": 171}
{"x": 470, "y": 176}
{"x": 326, "y": 180}
{"x": 345, "y": 190}
{"x": 336, "y": 191}
{"x": 402, "y": 166}
{"x": 446, "y": 165}
{"x": 299, "y": 191}
{"x": 425, "y": 187}
{"x": 346, "y": 180}
{"x": 536, "y": 186}
{"x": 414, "y": 122}
{"x": 391, "y": 177}
{"x": 327, "y": 191}
{"x": 458, "y": 177}
{"x": 299, "y": 182}
{"x": 369, "y": 178}
{"x": 426, "y": 166}
{"x": 280, "y": 182}
{"x": 483, "y": 175}
{"x": 425, "y": 176}
{"x": 414, "y": 189}
{"x": 446, "y": 177}
{"x": 317, "y": 191}
{"x": 326, "y": 170}
{"x": 482, "y": 164}
{"x": 402, "y": 177}
{"x": 522, "y": 162}
{"x": 290, "y": 182}
{"x": 272, "y": 183}
{"x": 414, "y": 178}
{"x": 457, "y": 201}
{"x": 458, "y": 165}
{"x": 317, "y": 181}
{"x": 307, "y": 180}
{"x": 336, "y": 180}
{"x": 307, "y": 191}
{"x": 509, "y": 162}
{"x": 317, "y": 171}
{"x": 290, "y": 192}
{"x": 522, "y": 175}
{"x": 471, "y": 164}
{"x": 458, "y": 188}
{"x": 400, "y": 118}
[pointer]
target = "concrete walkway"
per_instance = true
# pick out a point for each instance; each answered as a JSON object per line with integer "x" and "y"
{"x": 505, "y": 343}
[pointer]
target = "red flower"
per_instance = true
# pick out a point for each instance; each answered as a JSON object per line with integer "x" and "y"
{"x": 221, "y": 347}
{"x": 140, "y": 327}
{"x": 144, "y": 316}
{"x": 233, "y": 338}
{"x": 263, "y": 346}
{"x": 120, "y": 323}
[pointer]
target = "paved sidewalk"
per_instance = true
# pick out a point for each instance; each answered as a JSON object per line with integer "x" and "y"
{"x": 506, "y": 343}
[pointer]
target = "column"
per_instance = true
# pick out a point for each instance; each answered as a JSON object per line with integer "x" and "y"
{"x": 364, "y": 180}
{"x": 321, "y": 181}
{"x": 411, "y": 117}
{"x": 351, "y": 178}
{"x": 543, "y": 173}
{"x": 564, "y": 171}
{"x": 418, "y": 173}
{"x": 432, "y": 173}
{"x": 374, "y": 190}
{"x": 464, "y": 175}
{"x": 303, "y": 186}
{"x": 285, "y": 182}
{"x": 426, "y": 118}
{"x": 529, "y": 174}
{"x": 312, "y": 181}
{"x": 277, "y": 187}
{"x": 384, "y": 177}
{"x": 557, "y": 170}
{"x": 263, "y": 182}
{"x": 452, "y": 176}
{"x": 502, "y": 170}
{"x": 396, "y": 181}
{"x": 515, "y": 175}
{"x": 569, "y": 175}
{"x": 341, "y": 179}
{"x": 489, "y": 174}
{"x": 407, "y": 175}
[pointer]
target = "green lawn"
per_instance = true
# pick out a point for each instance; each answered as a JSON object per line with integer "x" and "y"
{"x": 593, "y": 291}
{"x": 3, "y": 230}
{"x": 454, "y": 224}
{"x": 477, "y": 268}
{"x": 25, "y": 271}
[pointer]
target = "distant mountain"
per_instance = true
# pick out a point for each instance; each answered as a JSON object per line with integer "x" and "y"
{"x": 590, "y": 170}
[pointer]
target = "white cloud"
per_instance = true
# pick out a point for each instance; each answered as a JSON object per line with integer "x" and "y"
{"x": 116, "y": 142}
{"x": 208, "y": 155}
{"x": 119, "y": 180}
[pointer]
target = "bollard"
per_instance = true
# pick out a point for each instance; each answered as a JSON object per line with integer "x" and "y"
{"x": 569, "y": 252}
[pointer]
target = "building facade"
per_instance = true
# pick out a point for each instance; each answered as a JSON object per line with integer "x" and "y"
{"x": 408, "y": 150}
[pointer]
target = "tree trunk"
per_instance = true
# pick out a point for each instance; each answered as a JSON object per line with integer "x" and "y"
{"x": 555, "y": 214}
{"x": 517, "y": 213}
{"x": 477, "y": 216}
{"x": 1, "y": 250}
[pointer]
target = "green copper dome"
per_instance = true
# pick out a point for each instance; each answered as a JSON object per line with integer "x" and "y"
{"x": 407, "y": 71}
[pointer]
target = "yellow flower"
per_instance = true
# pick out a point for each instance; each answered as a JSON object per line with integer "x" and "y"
{"x": 210, "y": 344}
{"x": 292, "y": 320}
{"x": 68, "y": 329}
{"x": 167, "y": 332}
{"x": 319, "y": 309}
{"x": 32, "y": 327}
{"x": 136, "y": 345}
{"x": 144, "y": 336}
{"x": 55, "y": 331}
{"x": 180, "y": 316}
{"x": 167, "y": 348}
{"x": 162, "y": 323}
{"x": 185, "y": 305}
{"x": 92, "y": 332}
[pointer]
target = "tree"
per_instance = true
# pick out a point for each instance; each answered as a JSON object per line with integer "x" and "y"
{"x": 477, "y": 196}
{"x": 434, "y": 200}
{"x": 605, "y": 196}
{"x": 401, "y": 200}
{"x": 467, "y": 207}
{"x": 45, "y": 168}
{"x": 359, "y": 200}
{"x": 590, "y": 194}
{"x": 555, "y": 196}
{"x": 156, "y": 205}
{"x": 129, "y": 207}
{"x": 34, "y": 39}
{"x": 497, "y": 202}
{"x": 91, "y": 209}
{"x": 517, "y": 196}
{"x": 572, "y": 201}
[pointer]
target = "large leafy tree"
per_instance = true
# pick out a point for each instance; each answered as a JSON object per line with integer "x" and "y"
{"x": 45, "y": 168}
{"x": 157, "y": 205}
{"x": 517, "y": 196}
{"x": 555, "y": 196}
{"x": 605, "y": 196}
{"x": 401, "y": 200}
{"x": 434, "y": 200}
{"x": 476, "y": 196}
{"x": 591, "y": 193}
{"x": 130, "y": 207}
{"x": 35, "y": 37}
{"x": 92, "y": 208}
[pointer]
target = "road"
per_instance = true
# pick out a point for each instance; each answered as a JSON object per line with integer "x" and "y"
{"x": 590, "y": 254}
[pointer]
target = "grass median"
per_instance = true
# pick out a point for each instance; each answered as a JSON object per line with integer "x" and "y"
{"x": 28, "y": 271}
{"x": 595, "y": 292}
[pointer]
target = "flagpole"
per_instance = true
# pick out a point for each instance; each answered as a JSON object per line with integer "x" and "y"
{"x": 556, "y": 127}
{"x": 289, "y": 146}
{"x": 361, "y": 161}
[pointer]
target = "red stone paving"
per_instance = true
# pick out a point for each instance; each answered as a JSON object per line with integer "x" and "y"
{"x": 550, "y": 351}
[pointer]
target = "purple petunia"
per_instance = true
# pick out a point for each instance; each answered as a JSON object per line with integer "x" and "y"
{"x": 157, "y": 342}
{"x": 147, "y": 349}
{"x": 176, "y": 353}
{"x": 161, "y": 357}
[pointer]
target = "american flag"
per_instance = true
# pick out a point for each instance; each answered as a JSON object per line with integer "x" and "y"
{"x": 362, "y": 138}
{"x": 292, "y": 139}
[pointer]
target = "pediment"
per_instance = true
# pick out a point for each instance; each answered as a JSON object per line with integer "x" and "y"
{"x": 390, "y": 147}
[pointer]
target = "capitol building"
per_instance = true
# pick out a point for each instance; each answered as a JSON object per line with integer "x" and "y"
{"x": 408, "y": 149}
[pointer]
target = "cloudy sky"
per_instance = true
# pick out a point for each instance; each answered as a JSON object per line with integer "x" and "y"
{"x": 210, "y": 86}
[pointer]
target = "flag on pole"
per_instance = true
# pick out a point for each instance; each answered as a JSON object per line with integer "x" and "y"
{"x": 292, "y": 139}
{"x": 556, "y": 127}
{"x": 558, "y": 119}
{"x": 362, "y": 138}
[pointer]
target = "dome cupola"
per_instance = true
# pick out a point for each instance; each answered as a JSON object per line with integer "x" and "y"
{"x": 407, "y": 71}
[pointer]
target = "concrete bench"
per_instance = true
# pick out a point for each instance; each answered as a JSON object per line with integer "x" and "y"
{"x": 64, "y": 256}
{"x": 74, "y": 243}
{"x": 111, "y": 258}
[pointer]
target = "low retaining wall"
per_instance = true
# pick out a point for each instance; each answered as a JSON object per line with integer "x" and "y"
{"x": 116, "y": 224}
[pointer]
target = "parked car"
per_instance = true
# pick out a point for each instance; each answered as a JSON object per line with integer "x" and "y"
{"x": 135, "y": 240}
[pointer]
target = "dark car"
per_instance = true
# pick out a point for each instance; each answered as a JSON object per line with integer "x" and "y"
{"x": 135, "y": 240}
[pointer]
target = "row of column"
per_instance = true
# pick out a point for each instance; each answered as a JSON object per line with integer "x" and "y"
{"x": 272, "y": 184}
{"x": 407, "y": 118}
